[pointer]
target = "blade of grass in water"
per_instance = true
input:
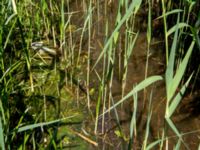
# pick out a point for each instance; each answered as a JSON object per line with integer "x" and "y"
{"x": 181, "y": 69}
{"x": 172, "y": 83}
{"x": 2, "y": 144}
{"x": 32, "y": 126}
{"x": 148, "y": 125}
{"x": 178, "y": 145}
{"x": 165, "y": 30}
{"x": 149, "y": 30}
{"x": 170, "y": 13}
{"x": 148, "y": 81}
{"x": 133, "y": 6}
{"x": 98, "y": 106}
{"x": 147, "y": 130}
{"x": 170, "y": 67}
{"x": 11, "y": 69}
{"x": 90, "y": 10}
{"x": 133, "y": 124}
{"x": 173, "y": 29}
{"x": 178, "y": 97}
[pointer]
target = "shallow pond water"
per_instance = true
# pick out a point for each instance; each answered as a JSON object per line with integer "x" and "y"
{"x": 65, "y": 91}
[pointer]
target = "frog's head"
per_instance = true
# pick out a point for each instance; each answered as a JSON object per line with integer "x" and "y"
{"x": 44, "y": 49}
{"x": 37, "y": 45}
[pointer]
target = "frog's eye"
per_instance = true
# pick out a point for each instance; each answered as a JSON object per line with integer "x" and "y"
{"x": 37, "y": 45}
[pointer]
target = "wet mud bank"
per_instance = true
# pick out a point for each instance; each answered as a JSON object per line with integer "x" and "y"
{"x": 140, "y": 65}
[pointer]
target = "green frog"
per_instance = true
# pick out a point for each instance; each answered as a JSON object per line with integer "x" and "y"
{"x": 43, "y": 49}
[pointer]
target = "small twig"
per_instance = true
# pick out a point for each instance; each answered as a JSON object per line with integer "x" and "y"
{"x": 86, "y": 138}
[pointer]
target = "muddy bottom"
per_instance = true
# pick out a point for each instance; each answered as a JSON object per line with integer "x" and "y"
{"x": 113, "y": 130}
{"x": 114, "y": 127}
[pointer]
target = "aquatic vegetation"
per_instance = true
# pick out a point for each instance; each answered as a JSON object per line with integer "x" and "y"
{"x": 99, "y": 74}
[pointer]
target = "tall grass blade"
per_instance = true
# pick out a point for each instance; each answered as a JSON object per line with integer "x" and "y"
{"x": 149, "y": 30}
{"x": 178, "y": 97}
{"x": 172, "y": 83}
{"x": 33, "y": 126}
{"x": 173, "y": 29}
{"x": 173, "y": 127}
{"x": 153, "y": 144}
{"x": 133, "y": 6}
{"x": 11, "y": 69}
{"x": 98, "y": 106}
{"x": 170, "y": 67}
{"x": 178, "y": 145}
{"x": 165, "y": 30}
{"x": 148, "y": 81}
{"x": 133, "y": 124}
{"x": 130, "y": 48}
{"x": 2, "y": 112}
{"x": 9, "y": 34}
{"x": 181, "y": 69}
{"x": 174, "y": 11}
{"x": 2, "y": 144}
{"x": 147, "y": 130}
{"x": 14, "y": 6}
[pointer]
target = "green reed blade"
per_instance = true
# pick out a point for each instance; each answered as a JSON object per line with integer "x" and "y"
{"x": 174, "y": 11}
{"x": 133, "y": 127}
{"x": 133, "y": 124}
{"x": 148, "y": 81}
{"x": 133, "y": 6}
{"x": 180, "y": 72}
{"x": 33, "y": 126}
{"x": 173, "y": 29}
{"x": 170, "y": 67}
{"x": 11, "y": 69}
{"x": 153, "y": 144}
{"x": 178, "y": 97}
{"x": 2, "y": 144}
{"x": 178, "y": 145}
{"x": 173, "y": 127}
{"x": 147, "y": 130}
{"x": 165, "y": 31}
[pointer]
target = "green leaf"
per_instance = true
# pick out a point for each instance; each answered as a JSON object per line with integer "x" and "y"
{"x": 133, "y": 124}
{"x": 129, "y": 51}
{"x": 178, "y": 145}
{"x": 147, "y": 130}
{"x": 133, "y": 6}
{"x": 170, "y": 12}
{"x": 170, "y": 67}
{"x": 32, "y": 126}
{"x": 178, "y": 97}
{"x": 173, "y": 29}
{"x": 11, "y": 69}
{"x": 181, "y": 69}
{"x": 173, "y": 127}
{"x": 148, "y": 81}
{"x": 116, "y": 37}
{"x": 151, "y": 145}
{"x": 2, "y": 144}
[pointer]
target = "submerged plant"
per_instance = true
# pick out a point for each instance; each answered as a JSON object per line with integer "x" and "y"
{"x": 56, "y": 99}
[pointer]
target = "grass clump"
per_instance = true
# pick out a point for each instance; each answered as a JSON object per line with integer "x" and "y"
{"x": 75, "y": 71}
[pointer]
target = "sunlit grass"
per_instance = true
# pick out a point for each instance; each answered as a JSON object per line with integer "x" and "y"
{"x": 40, "y": 91}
